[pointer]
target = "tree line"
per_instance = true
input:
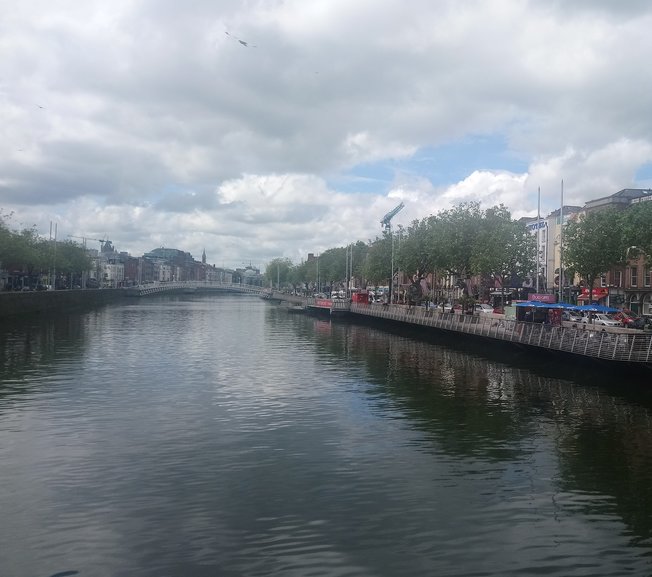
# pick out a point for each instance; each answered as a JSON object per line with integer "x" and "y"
{"x": 26, "y": 254}
{"x": 463, "y": 242}
{"x": 468, "y": 241}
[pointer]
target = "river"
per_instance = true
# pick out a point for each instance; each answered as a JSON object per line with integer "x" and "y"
{"x": 194, "y": 436}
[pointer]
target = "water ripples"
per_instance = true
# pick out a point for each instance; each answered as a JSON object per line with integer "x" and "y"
{"x": 185, "y": 437}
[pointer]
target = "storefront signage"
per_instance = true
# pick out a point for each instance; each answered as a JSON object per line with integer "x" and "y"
{"x": 596, "y": 295}
{"x": 542, "y": 298}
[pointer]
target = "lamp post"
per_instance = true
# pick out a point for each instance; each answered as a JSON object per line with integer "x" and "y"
{"x": 538, "y": 236}
{"x": 391, "y": 280}
{"x": 561, "y": 245}
{"x": 386, "y": 222}
{"x": 349, "y": 270}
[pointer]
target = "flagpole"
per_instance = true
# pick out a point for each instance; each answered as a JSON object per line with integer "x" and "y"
{"x": 561, "y": 245}
{"x": 538, "y": 235}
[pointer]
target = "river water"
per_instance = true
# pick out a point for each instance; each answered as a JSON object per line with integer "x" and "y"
{"x": 197, "y": 436}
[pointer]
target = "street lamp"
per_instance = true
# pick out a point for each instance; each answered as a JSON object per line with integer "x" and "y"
{"x": 348, "y": 274}
{"x": 631, "y": 248}
{"x": 387, "y": 223}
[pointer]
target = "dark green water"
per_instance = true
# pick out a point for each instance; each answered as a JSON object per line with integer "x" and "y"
{"x": 223, "y": 436}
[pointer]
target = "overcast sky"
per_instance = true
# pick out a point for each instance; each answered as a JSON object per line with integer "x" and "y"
{"x": 149, "y": 122}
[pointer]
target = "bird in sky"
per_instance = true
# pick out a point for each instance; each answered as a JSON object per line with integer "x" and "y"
{"x": 243, "y": 42}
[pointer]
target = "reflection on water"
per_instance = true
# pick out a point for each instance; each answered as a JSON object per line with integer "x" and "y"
{"x": 220, "y": 435}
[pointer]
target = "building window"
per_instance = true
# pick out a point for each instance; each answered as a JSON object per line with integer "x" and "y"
{"x": 633, "y": 277}
{"x": 618, "y": 278}
{"x": 648, "y": 276}
{"x": 603, "y": 280}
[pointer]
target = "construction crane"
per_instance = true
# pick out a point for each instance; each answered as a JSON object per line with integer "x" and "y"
{"x": 102, "y": 241}
{"x": 387, "y": 223}
{"x": 387, "y": 219}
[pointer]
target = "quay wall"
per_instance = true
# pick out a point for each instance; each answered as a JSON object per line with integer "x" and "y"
{"x": 14, "y": 304}
{"x": 611, "y": 345}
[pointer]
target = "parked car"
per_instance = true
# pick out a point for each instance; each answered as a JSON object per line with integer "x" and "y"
{"x": 602, "y": 319}
{"x": 571, "y": 316}
{"x": 626, "y": 318}
{"x": 641, "y": 323}
{"x": 483, "y": 308}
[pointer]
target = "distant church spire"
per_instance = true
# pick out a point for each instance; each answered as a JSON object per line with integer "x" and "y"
{"x": 203, "y": 257}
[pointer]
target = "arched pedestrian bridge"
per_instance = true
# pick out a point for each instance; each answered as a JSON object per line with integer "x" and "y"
{"x": 192, "y": 287}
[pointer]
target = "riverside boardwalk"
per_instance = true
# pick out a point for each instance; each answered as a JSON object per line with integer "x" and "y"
{"x": 614, "y": 346}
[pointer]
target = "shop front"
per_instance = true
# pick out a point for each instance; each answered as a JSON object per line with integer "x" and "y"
{"x": 597, "y": 295}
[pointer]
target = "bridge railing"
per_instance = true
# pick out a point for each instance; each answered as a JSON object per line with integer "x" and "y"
{"x": 176, "y": 286}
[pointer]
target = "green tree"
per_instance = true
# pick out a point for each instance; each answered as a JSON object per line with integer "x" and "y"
{"x": 332, "y": 266}
{"x": 32, "y": 255}
{"x": 457, "y": 231}
{"x": 295, "y": 278}
{"x": 593, "y": 244}
{"x": 503, "y": 248}
{"x": 636, "y": 223}
{"x": 6, "y": 239}
{"x": 415, "y": 252}
{"x": 69, "y": 257}
{"x": 309, "y": 271}
{"x": 377, "y": 264}
{"x": 277, "y": 272}
{"x": 454, "y": 237}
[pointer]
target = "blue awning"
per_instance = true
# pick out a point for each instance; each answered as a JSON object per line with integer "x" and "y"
{"x": 597, "y": 309}
{"x": 541, "y": 305}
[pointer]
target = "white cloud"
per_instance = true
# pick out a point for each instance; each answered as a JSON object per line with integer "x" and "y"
{"x": 362, "y": 148}
{"x": 588, "y": 174}
{"x": 159, "y": 128}
{"x": 490, "y": 189}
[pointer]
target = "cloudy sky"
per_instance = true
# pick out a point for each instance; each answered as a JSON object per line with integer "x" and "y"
{"x": 273, "y": 128}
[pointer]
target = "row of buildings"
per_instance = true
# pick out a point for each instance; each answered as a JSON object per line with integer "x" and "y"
{"x": 113, "y": 269}
{"x": 627, "y": 286}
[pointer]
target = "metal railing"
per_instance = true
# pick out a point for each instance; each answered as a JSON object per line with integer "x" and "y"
{"x": 627, "y": 345}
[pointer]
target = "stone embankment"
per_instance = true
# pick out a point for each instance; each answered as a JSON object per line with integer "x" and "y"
{"x": 16, "y": 304}
{"x": 613, "y": 345}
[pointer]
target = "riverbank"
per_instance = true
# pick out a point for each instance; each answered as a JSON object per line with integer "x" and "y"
{"x": 14, "y": 304}
{"x": 611, "y": 346}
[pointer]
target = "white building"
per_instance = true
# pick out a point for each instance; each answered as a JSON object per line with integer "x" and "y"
{"x": 164, "y": 272}
{"x": 539, "y": 228}
{"x": 113, "y": 274}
